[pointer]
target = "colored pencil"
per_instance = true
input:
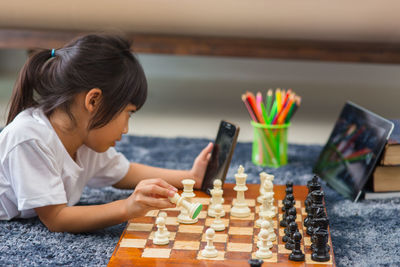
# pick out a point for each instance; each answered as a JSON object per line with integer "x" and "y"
{"x": 278, "y": 100}
{"x": 259, "y": 100}
{"x": 251, "y": 113}
{"x": 269, "y": 101}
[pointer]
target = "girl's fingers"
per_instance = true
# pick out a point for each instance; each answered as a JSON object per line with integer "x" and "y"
{"x": 206, "y": 151}
{"x": 158, "y": 187}
{"x": 158, "y": 203}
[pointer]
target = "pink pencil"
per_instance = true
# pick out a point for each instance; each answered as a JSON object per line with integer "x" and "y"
{"x": 258, "y": 101}
{"x": 253, "y": 117}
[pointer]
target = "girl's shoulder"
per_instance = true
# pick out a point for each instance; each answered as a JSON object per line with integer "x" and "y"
{"x": 30, "y": 124}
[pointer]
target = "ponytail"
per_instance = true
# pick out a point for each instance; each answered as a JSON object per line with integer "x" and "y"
{"x": 23, "y": 93}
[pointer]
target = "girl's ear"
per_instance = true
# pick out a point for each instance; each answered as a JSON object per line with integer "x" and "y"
{"x": 92, "y": 99}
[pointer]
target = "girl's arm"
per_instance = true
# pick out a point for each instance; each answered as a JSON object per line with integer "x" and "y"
{"x": 149, "y": 194}
{"x": 138, "y": 172}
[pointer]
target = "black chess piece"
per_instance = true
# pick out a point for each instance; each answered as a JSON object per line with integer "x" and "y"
{"x": 320, "y": 223}
{"x": 289, "y": 219}
{"x": 255, "y": 262}
{"x": 292, "y": 228}
{"x": 312, "y": 185}
{"x": 288, "y": 205}
{"x": 321, "y": 252}
{"x": 297, "y": 254}
{"x": 317, "y": 205}
{"x": 288, "y": 191}
{"x": 291, "y": 212}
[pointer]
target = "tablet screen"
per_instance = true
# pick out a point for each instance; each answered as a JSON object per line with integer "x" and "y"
{"x": 353, "y": 148}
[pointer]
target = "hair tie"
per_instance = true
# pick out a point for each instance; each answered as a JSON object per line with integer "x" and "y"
{"x": 53, "y": 52}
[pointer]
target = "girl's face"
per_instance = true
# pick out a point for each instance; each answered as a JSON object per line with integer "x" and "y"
{"x": 101, "y": 139}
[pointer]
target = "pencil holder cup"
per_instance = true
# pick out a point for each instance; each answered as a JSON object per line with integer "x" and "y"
{"x": 269, "y": 144}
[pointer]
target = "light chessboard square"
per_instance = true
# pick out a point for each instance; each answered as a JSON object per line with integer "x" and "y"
{"x": 274, "y": 257}
{"x": 187, "y": 245}
{"x": 309, "y": 260}
{"x": 239, "y": 247}
{"x": 156, "y": 253}
{"x": 220, "y": 256}
{"x": 171, "y": 235}
{"x": 140, "y": 227}
{"x": 171, "y": 221}
{"x": 241, "y": 231}
{"x": 248, "y": 218}
{"x": 209, "y": 221}
{"x": 222, "y": 238}
{"x": 195, "y": 229}
{"x": 152, "y": 213}
{"x": 132, "y": 243}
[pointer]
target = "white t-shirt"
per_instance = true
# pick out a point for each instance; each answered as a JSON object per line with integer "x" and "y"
{"x": 36, "y": 169}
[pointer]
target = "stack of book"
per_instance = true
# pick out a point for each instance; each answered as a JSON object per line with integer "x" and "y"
{"x": 386, "y": 176}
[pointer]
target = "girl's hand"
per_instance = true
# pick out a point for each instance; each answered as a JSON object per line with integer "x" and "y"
{"x": 149, "y": 194}
{"x": 200, "y": 164}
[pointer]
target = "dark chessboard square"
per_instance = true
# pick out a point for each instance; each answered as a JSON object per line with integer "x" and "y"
{"x": 241, "y": 223}
{"x": 188, "y": 236}
{"x": 137, "y": 235}
{"x": 183, "y": 254}
{"x": 234, "y": 255}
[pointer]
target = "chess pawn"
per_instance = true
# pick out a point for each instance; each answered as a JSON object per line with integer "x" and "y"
{"x": 164, "y": 215}
{"x": 216, "y": 198}
{"x": 209, "y": 251}
{"x": 267, "y": 226}
{"x": 264, "y": 251}
{"x": 160, "y": 238}
{"x": 293, "y": 227}
{"x": 187, "y": 194}
{"x": 255, "y": 262}
{"x": 192, "y": 208}
{"x": 218, "y": 224}
{"x": 240, "y": 207}
{"x": 297, "y": 254}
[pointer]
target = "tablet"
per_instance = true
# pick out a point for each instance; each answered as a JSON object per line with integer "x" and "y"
{"x": 352, "y": 150}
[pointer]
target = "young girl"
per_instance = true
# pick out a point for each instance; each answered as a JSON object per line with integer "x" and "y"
{"x": 68, "y": 108}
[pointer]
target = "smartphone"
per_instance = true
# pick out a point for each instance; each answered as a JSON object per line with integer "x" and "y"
{"x": 221, "y": 155}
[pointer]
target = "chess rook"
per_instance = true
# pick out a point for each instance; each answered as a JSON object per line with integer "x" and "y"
{"x": 187, "y": 194}
{"x": 192, "y": 208}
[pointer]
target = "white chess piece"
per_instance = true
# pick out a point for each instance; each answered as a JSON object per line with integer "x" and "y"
{"x": 209, "y": 251}
{"x": 187, "y": 194}
{"x": 269, "y": 227}
{"x": 240, "y": 207}
{"x": 160, "y": 238}
{"x": 193, "y": 208}
{"x": 262, "y": 208}
{"x": 218, "y": 224}
{"x": 263, "y": 176}
{"x": 164, "y": 215}
{"x": 264, "y": 251}
{"x": 216, "y": 198}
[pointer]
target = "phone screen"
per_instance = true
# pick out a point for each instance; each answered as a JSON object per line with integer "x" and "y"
{"x": 221, "y": 155}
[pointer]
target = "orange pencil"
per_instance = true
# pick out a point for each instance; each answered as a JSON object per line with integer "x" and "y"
{"x": 284, "y": 113}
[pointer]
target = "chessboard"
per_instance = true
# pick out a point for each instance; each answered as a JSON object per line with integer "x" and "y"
{"x": 235, "y": 245}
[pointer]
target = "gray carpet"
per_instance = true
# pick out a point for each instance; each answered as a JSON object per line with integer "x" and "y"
{"x": 363, "y": 234}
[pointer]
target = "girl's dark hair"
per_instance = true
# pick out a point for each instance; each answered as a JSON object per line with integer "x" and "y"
{"x": 92, "y": 61}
